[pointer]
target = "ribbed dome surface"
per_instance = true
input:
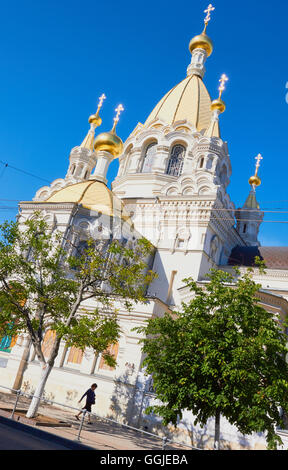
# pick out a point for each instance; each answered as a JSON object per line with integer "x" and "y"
{"x": 189, "y": 100}
{"x": 92, "y": 195}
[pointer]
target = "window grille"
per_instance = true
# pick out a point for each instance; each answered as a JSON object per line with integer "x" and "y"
{"x": 149, "y": 158}
{"x": 175, "y": 164}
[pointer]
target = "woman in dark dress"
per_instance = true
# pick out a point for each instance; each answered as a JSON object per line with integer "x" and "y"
{"x": 90, "y": 400}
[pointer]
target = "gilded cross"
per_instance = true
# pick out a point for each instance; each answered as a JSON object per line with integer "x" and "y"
{"x": 209, "y": 9}
{"x": 222, "y": 81}
{"x": 118, "y": 110}
{"x": 101, "y": 99}
{"x": 258, "y": 162}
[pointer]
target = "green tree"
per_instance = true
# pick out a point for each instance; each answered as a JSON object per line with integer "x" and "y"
{"x": 222, "y": 354}
{"x": 43, "y": 287}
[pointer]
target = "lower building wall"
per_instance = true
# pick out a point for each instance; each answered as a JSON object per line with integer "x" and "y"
{"x": 9, "y": 365}
{"x": 67, "y": 387}
{"x": 125, "y": 400}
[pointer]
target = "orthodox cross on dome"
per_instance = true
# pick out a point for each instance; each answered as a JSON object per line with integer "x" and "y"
{"x": 118, "y": 110}
{"x": 255, "y": 180}
{"x": 258, "y": 163}
{"x": 222, "y": 81}
{"x": 209, "y": 9}
{"x": 101, "y": 99}
{"x": 95, "y": 121}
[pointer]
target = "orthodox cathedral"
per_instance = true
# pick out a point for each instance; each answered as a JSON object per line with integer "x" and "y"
{"x": 172, "y": 188}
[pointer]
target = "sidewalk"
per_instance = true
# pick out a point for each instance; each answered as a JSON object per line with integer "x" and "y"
{"x": 100, "y": 435}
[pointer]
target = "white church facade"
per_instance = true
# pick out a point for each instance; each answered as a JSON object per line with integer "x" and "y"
{"x": 171, "y": 187}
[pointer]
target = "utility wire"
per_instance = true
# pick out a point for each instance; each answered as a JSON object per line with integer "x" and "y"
{"x": 279, "y": 211}
{"x": 21, "y": 171}
{"x": 276, "y": 211}
{"x": 3, "y": 171}
{"x": 283, "y": 222}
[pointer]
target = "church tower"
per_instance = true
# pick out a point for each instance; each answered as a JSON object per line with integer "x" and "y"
{"x": 173, "y": 177}
{"x": 83, "y": 158}
{"x": 250, "y": 217}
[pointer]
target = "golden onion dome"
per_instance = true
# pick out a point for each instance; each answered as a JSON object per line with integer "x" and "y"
{"x": 202, "y": 41}
{"x": 95, "y": 119}
{"x": 219, "y": 105}
{"x": 109, "y": 142}
{"x": 255, "y": 181}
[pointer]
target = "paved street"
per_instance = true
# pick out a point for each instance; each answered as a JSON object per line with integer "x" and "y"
{"x": 100, "y": 435}
{"x": 14, "y": 439}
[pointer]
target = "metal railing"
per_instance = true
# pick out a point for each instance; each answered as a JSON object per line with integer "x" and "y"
{"x": 165, "y": 440}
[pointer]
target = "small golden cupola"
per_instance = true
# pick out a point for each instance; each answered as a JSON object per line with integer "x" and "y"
{"x": 250, "y": 216}
{"x": 217, "y": 107}
{"x": 107, "y": 146}
{"x": 109, "y": 141}
{"x": 201, "y": 47}
{"x": 94, "y": 121}
{"x": 255, "y": 181}
{"x": 202, "y": 41}
{"x": 82, "y": 158}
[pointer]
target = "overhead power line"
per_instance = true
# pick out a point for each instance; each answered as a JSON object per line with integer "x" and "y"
{"x": 7, "y": 165}
{"x": 266, "y": 211}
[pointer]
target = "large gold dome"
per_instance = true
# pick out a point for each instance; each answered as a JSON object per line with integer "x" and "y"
{"x": 92, "y": 195}
{"x": 187, "y": 101}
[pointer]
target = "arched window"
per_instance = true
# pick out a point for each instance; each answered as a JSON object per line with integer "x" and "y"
{"x": 223, "y": 175}
{"x": 150, "y": 155}
{"x": 82, "y": 248}
{"x": 201, "y": 162}
{"x": 175, "y": 164}
{"x": 214, "y": 248}
{"x": 125, "y": 164}
{"x": 80, "y": 169}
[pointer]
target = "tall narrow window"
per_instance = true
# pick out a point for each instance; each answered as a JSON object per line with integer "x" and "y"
{"x": 75, "y": 355}
{"x": 175, "y": 164}
{"x": 149, "y": 158}
{"x": 113, "y": 350}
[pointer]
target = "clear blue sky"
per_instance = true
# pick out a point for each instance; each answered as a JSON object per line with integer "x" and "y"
{"x": 57, "y": 57}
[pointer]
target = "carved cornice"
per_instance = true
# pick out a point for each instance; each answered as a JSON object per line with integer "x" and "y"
{"x": 47, "y": 205}
{"x": 280, "y": 274}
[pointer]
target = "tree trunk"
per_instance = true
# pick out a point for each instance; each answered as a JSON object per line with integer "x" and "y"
{"x": 217, "y": 431}
{"x": 22, "y": 367}
{"x": 34, "y": 405}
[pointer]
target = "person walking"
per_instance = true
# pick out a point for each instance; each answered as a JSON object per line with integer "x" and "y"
{"x": 90, "y": 400}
